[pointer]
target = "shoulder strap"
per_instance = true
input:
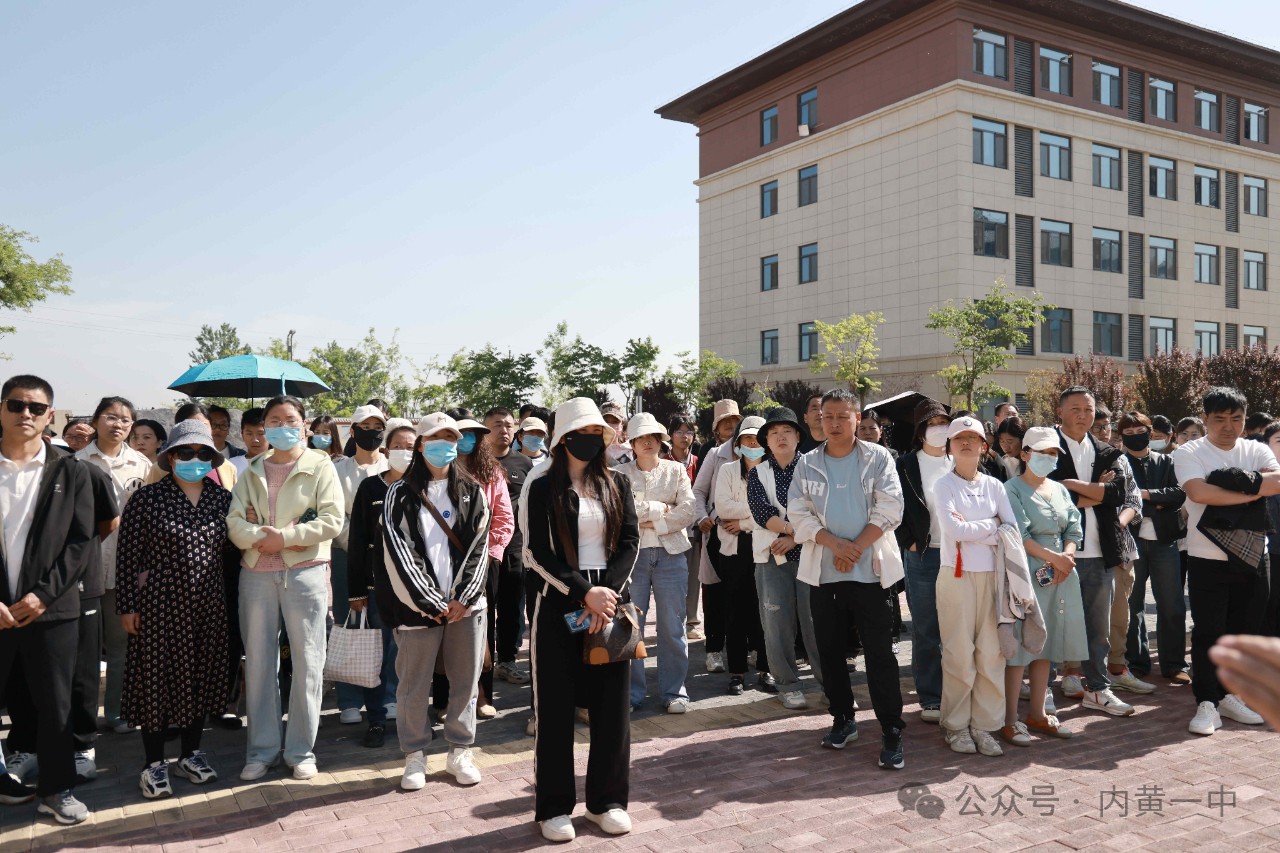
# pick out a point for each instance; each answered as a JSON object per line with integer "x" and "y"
{"x": 562, "y": 531}
{"x": 448, "y": 530}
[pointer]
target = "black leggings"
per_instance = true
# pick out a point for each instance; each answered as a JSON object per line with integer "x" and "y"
{"x": 153, "y": 742}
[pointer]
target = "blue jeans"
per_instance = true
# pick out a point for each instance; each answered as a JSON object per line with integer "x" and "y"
{"x": 374, "y": 699}
{"x": 667, "y": 577}
{"x": 921, "y": 568}
{"x": 1097, "y": 585}
{"x": 783, "y": 599}
{"x": 299, "y": 598}
{"x": 1160, "y": 563}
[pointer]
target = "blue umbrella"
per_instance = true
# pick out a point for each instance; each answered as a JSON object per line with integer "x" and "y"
{"x": 249, "y": 376}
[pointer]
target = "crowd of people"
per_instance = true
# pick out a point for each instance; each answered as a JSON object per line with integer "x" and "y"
{"x": 208, "y": 576}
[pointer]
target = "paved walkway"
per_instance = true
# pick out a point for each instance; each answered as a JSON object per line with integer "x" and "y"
{"x": 733, "y": 773}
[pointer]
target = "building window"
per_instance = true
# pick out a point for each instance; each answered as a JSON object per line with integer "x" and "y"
{"x": 990, "y": 233}
{"x": 808, "y": 341}
{"x": 1255, "y": 271}
{"x": 1206, "y": 263}
{"x": 1106, "y": 167}
{"x": 1206, "y": 187}
{"x": 1055, "y": 71}
{"x": 808, "y": 108}
{"x": 769, "y": 346}
{"x": 1055, "y": 156}
{"x": 769, "y": 126}
{"x": 768, "y": 199}
{"x": 1207, "y": 338}
{"x": 1106, "y": 333}
{"x": 808, "y": 263}
{"x": 1255, "y": 336}
{"x": 1106, "y": 250}
{"x": 1255, "y": 123}
{"x": 1163, "y": 178}
{"x": 808, "y": 185}
{"x": 990, "y": 54}
{"x": 1255, "y": 196}
{"x": 1055, "y": 334}
{"x": 1164, "y": 99}
{"x": 990, "y": 143}
{"x": 1164, "y": 334}
{"x": 1055, "y": 243}
{"x": 769, "y": 273}
{"x": 1164, "y": 257}
{"x": 1106, "y": 84}
{"x": 1208, "y": 116}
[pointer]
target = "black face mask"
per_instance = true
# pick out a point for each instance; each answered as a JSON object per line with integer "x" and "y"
{"x": 582, "y": 446}
{"x": 367, "y": 439}
{"x": 1136, "y": 443}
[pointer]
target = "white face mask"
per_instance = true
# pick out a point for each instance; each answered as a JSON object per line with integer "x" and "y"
{"x": 1159, "y": 444}
{"x": 400, "y": 459}
{"x": 936, "y": 436}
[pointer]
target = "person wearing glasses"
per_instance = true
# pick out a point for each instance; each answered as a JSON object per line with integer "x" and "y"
{"x": 171, "y": 603}
{"x": 225, "y": 474}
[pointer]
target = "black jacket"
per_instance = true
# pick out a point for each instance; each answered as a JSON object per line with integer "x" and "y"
{"x": 58, "y": 544}
{"x": 914, "y": 529}
{"x": 562, "y": 587}
{"x": 1154, "y": 472}
{"x": 364, "y": 542}
{"x": 1105, "y": 458}
{"x": 94, "y": 581}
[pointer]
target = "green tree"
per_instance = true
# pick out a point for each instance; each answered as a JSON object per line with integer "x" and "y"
{"x": 637, "y": 366}
{"x": 576, "y": 368}
{"x": 691, "y": 379}
{"x": 356, "y": 374}
{"x": 984, "y": 333}
{"x": 24, "y": 281}
{"x": 481, "y": 379}
{"x": 850, "y": 351}
{"x": 213, "y": 344}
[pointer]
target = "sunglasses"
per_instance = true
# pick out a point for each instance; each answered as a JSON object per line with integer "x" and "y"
{"x": 20, "y": 406}
{"x": 186, "y": 454}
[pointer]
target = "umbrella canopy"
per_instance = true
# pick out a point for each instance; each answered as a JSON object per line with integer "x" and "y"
{"x": 249, "y": 376}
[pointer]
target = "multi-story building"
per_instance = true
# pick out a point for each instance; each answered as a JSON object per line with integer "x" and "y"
{"x": 906, "y": 152}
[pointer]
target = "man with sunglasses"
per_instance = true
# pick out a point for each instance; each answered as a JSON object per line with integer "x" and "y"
{"x": 46, "y": 502}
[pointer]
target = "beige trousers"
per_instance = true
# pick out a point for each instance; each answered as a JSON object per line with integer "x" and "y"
{"x": 972, "y": 665}
{"x": 1123, "y": 582}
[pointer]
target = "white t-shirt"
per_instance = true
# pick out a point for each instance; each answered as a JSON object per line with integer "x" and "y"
{"x": 591, "y": 527}
{"x": 1194, "y": 461}
{"x": 437, "y": 541}
{"x": 932, "y": 469}
{"x": 984, "y": 505}
{"x": 1083, "y": 455}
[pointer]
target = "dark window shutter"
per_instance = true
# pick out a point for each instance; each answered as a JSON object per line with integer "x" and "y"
{"x": 1029, "y": 348}
{"x": 1024, "y": 78}
{"x": 1137, "y": 337}
{"x": 1136, "y": 266}
{"x": 1024, "y": 248}
{"x": 1233, "y": 202}
{"x": 1136, "y": 96}
{"x": 1233, "y": 277}
{"x": 1233, "y": 119}
{"x": 1023, "y": 162}
{"x": 1136, "y": 184}
{"x": 1232, "y": 337}
{"x": 1023, "y": 404}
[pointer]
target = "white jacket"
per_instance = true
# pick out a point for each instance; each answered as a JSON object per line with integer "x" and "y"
{"x": 731, "y": 504}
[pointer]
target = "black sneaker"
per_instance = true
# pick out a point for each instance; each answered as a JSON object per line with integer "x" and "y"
{"x": 891, "y": 750}
{"x": 375, "y": 737}
{"x": 843, "y": 733}
{"x": 13, "y": 792}
{"x": 735, "y": 685}
{"x": 766, "y": 683}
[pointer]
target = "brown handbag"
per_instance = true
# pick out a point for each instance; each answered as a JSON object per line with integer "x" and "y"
{"x": 623, "y": 636}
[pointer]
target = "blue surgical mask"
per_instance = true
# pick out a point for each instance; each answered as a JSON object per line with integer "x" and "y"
{"x": 533, "y": 443}
{"x": 321, "y": 442}
{"x": 755, "y": 454}
{"x": 467, "y": 443}
{"x": 284, "y": 438}
{"x": 191, "y": 471}
{"x": 1042, "y": 464}
{"x": 440, "y": 453}
{"x": 1159, "y": 445}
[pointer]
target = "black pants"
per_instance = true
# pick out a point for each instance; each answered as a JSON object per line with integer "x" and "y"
{"x": 235, "y": 643}
{"x": 1222, "y": 602}
{"x": 715, "y": 609}
{"x": 562, "y": 682}
{"x": 47, "y": 651}
{"x": 1271, "y": 624}
{"x": 509, "y": 595}
{"x": 85, "y": 681}
{"x": 834, "y": 606}
{"x": 742, "y": 630}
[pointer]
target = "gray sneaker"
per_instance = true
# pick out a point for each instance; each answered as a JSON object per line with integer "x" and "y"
{"x": 64, "y": 808}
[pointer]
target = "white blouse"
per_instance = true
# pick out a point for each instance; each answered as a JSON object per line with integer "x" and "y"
{"x": 982, "y": 506}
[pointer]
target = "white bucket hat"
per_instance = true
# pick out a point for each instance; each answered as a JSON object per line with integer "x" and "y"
{"x": 750, "y": 426}
{"x": 576, "y": 413}
{"x": 644, "y": 423}
{"x": 468, "y": 423}
{"x": 438, "y": 422}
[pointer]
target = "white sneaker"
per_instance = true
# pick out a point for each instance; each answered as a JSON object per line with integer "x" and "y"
{"x": 155, "y": 781}
{"x": 391, "y": 710}
{"x": 305, "y": 770}
{"x": 715, "y": 662}
{"x": 349, "y": 716}
{"x": 793, "y": 700}
{"x": 461, "y": 763}
{"x": 414, "y": 777}
{"x": 23, "y": 766}
{"x": 985, "y": 743}
{"x": 930, "y": 714}
{"x": 508, "y": 671}
{"x": 679, "y": 705}
{"x": 558, "y": 828}
{"x": 1206, "y": 721}
{"x": 1105, "y": 700}
{"x": 1128, "y": 681}
{"x": 1049, "y": 706}
{"x": 1072, "y": 686}
{"x": 1233, "y": 708}
{"x": 196, "y": 768}
{"x": 614, "y": 821}
{"x": 1024, "y": 692}
{"x": 960, "y": 741}
{"x": 86, "y": 767}
{"x": 253, "y": 771}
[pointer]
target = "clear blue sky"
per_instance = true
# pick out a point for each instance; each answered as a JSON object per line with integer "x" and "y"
{"x": 464, "y": 174}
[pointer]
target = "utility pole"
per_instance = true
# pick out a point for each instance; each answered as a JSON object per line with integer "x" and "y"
{"x": 288, "y": 343}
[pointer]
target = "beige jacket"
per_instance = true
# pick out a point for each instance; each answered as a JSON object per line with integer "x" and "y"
{"x": 664, "y": 497}
{"x": 311, "y": 485}
{"x": 731, "y": 504}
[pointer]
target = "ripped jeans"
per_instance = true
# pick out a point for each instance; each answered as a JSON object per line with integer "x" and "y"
{"x": 783, "y": 599}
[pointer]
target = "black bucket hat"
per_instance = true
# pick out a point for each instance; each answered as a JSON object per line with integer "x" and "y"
{"x": 780, "y": 415}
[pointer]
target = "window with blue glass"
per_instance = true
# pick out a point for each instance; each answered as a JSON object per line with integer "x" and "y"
{"x": 769, "y": 126}
{"x": 808, "y": 185}
{"x": 808, "y": 108}
{"x": 1056, "y": 331}
{"x": 768, "y": 199}
{"x": 808, "y": 263}
{"x": 769, "y": 346}
{"x": 769, "y": 273}
{"x": 808, "y": 341}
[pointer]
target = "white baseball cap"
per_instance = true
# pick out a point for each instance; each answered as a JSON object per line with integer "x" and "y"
{"x": 1040, "y": 438}
{"x": 966, "y": 424}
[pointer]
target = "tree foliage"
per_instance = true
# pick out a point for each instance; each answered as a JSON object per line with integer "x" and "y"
{"x": 574, "y": 367}
{"x": 213, "y": 344}
{"x": 724, "y": 388}
{"x": 692, "y": 378}
{"x": 985, "y": 333}
{"x": 1172, "y": 383}
{"x": 24, "y": 281}
{"x": 481, "y": 379}
{"x": 849, "y": 350}
{"x": 1254, "y": 370}
{"x": 794, "y": 394}
{"x": 356, "y": 375}
{"x": 1102, "y": 375}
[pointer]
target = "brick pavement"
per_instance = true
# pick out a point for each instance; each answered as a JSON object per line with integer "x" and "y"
{"x": 734, "y": 773}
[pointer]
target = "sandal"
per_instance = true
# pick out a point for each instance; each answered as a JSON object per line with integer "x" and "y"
{"x": 1048, "y": 725}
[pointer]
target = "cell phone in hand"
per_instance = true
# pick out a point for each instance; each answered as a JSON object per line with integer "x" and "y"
{"x": 1044, "y": 575}
{"x": 571, "y": 619}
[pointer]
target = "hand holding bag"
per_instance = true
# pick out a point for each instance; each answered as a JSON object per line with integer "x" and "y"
{"x": 355, "y": 654}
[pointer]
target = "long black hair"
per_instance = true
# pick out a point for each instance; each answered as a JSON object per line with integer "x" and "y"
{"x": 599, "y": 483}
{"x": 419, "y": 475}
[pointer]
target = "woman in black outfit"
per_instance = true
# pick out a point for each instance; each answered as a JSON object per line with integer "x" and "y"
{"x": 595, "y": 510}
